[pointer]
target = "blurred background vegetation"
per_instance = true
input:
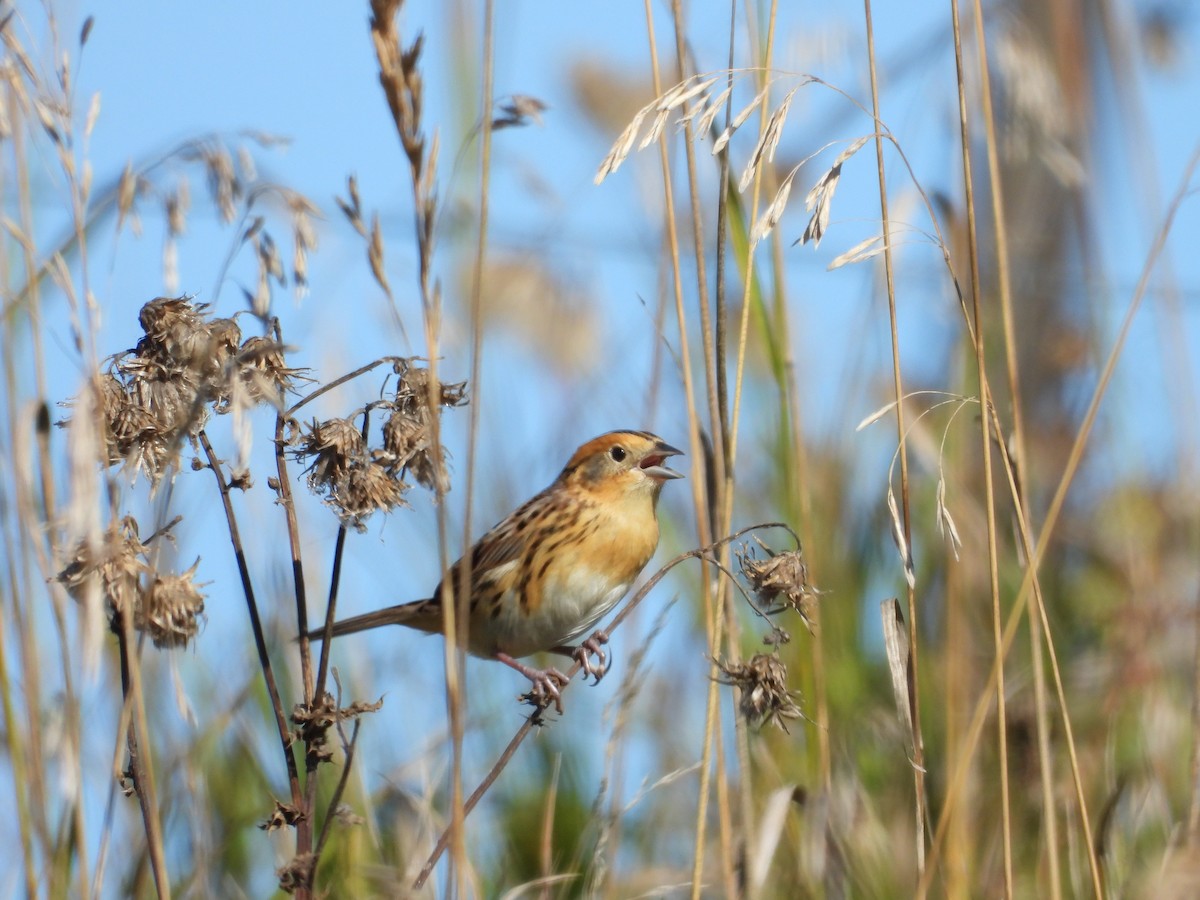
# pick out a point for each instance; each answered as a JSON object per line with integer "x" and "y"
{"x": 677, "y": 296}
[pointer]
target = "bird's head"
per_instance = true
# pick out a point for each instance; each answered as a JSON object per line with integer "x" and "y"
{"x": 628, "y": 461}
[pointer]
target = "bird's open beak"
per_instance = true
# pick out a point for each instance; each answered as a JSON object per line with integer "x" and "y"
{"x": 653, "y": 466}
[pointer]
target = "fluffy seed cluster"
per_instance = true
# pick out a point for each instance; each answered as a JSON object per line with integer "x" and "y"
{"x": 780, "y": 581}
{"x": 167, "y": 607}
{"x": 762, "y": 683}
{"x": 186, "y": 364}
{"x": 358, "y": 478}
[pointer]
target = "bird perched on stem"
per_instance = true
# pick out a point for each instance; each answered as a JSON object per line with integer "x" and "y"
{"x": 555, "y": 566}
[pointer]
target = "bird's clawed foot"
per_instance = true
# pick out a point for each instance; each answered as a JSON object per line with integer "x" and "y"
{"x": 546, "y": 683}
{"x": 593, "y": 646}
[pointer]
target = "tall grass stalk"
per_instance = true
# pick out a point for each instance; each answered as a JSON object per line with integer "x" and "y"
{"x": 986, "y": 448}
{"x": 1004, "y": 291}
{"x": 918, "y": 740}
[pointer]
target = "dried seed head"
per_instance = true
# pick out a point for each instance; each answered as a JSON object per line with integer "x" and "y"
{"x": 403, "y": 438}
{"x": 764, "y": 692}
{"x": 126, "y": 422}
{"x": 223, "y": 182}
{"x": 335, "y": 444}
{"x": 517, "y": 110}
{"x": 315, "y": 720}
{"x": 159, "y": 393}
{"x": 367, "y": 488}
{"x": 407, "y": 440}
{"x": 224, "y": 335}
{"x": 428, "y": 466}
{"x": 780, "y": 581}
{"x": 115, "y": 566}
{"x": 297, "y": 873}
{"x": 282, "y": 815}
{"x": 412, "y": 391}
{"x": 263, "y": 370}
{"x": 177, "y": 204}
{"x": 176, "y": 330}
{"x": 174, "y": 399}
{"x": 170, "y": 609}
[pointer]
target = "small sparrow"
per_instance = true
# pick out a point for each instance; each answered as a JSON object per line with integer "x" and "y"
{"x": 556, "y": 566}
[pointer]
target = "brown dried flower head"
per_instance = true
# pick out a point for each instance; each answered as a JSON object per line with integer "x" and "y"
{"x": 353, "y": 483}
{"x": 368, "y": 488}
{"x": 161, "y": 393}
{"x": 263, "y": 371}
{"x": 224, "y": 335}
{"x": 128, "y": 425}
{"x": 412, "y": 391}
{"x": 780, "y": 581}
{"x": 762, "y": 683}
{"x": 407, "y": 438}
{"x": 176, "y": 330}
{"x": 155, "y": 396}
{"x": 114, "y": 567}
{"x": 334, "y": 445}
{"x": 170, "y": 609}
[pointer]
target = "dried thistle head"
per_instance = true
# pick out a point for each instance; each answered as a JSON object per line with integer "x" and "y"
{"x": 170, "y": 609}
{"x": 174, "y": 398}
{"x": 764, "y": 694}
{"x": 408, "y": 446}
{"x": 224, "y": 335}
{"x": 127, "y": 424}
{"x": 780, "y": 581}
{"x": 263, "y": 371}
{"x": 176, "y": 331}
{"x": 114, "y": 567}
{"x": 407, "y": 434}
{"x": 403, "y": 437}
{"x": 334, "y": 445}
{"x": 413, "y": 393}
{"x": 155, "y": 396}
{"x": 367, "y": 488}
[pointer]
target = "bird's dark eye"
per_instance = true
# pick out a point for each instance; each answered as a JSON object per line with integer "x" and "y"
{"x": 617, "y": 453}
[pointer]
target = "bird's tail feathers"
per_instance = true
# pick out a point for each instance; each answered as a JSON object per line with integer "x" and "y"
{"x": 410, "y": 614}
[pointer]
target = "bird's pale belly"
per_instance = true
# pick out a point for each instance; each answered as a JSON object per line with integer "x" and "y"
{"x": 570, "y": 606}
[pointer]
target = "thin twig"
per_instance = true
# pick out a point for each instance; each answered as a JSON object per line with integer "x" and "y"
{"x": 338, "y": 382}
